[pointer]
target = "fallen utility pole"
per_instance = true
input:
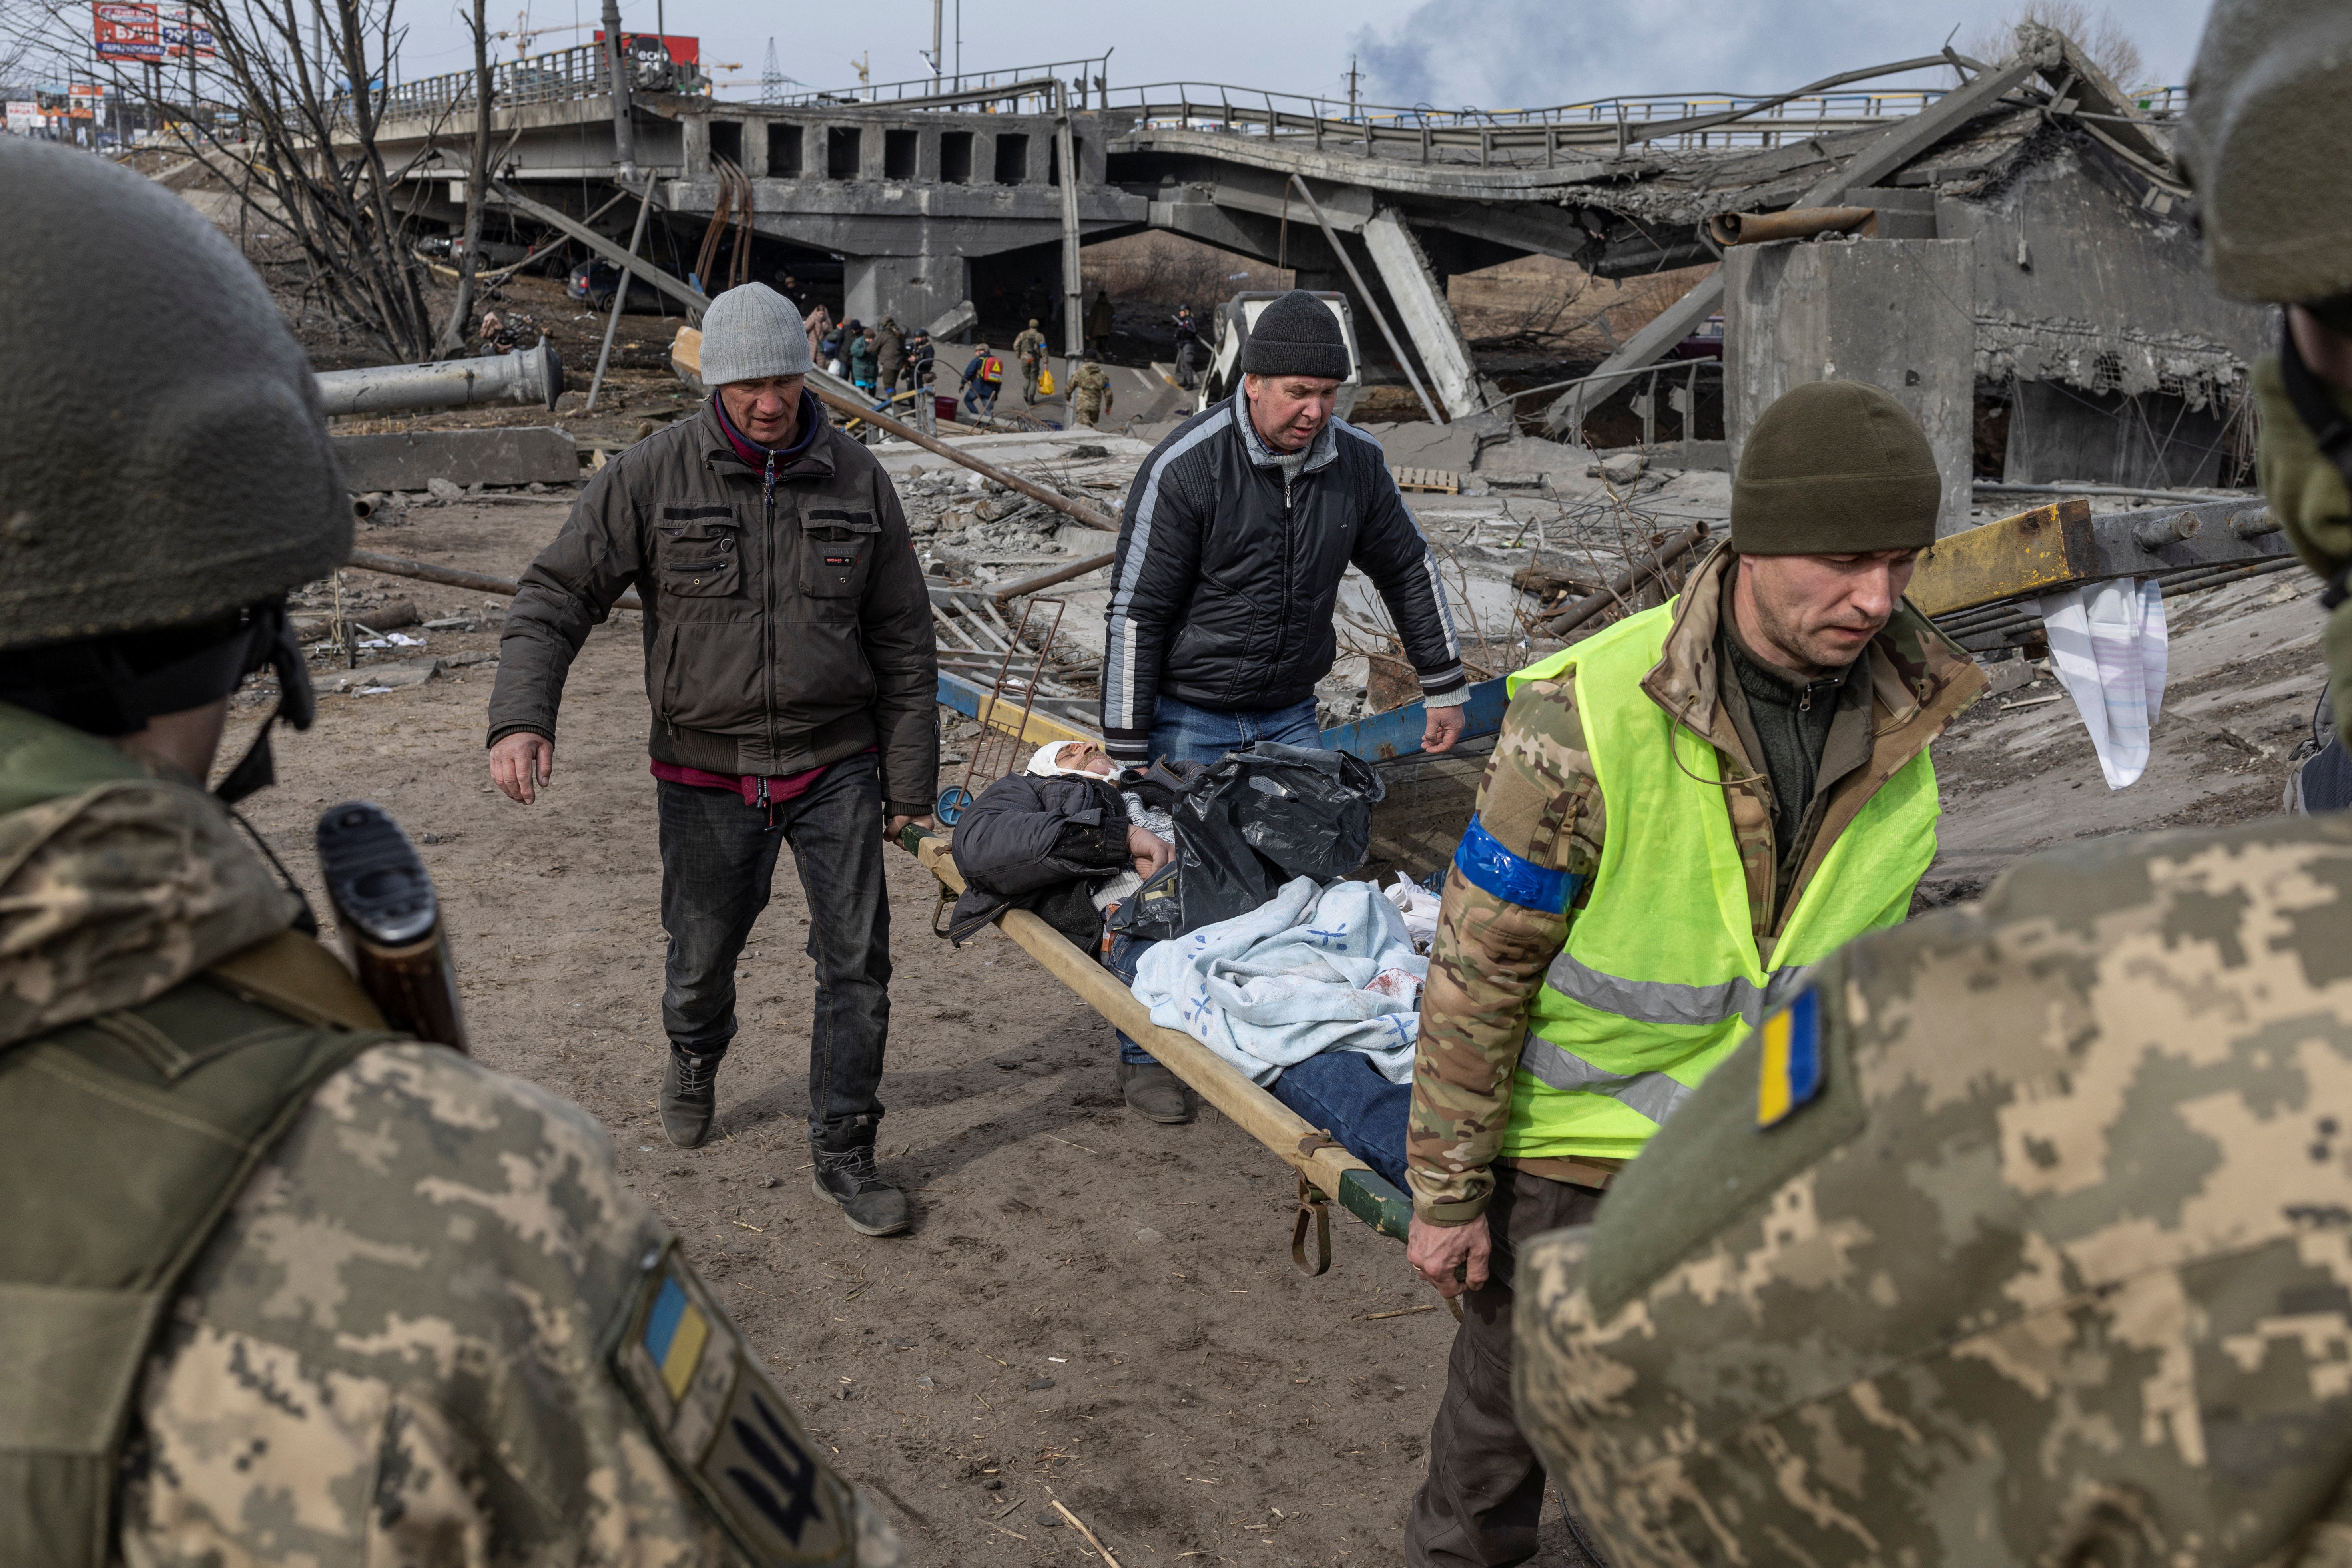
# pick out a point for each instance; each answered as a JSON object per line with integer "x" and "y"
{"x": 693, "y": 299}
{"x": 1584, "y": 609}
{"x": 1080, "y": 510}
{"x": 525, "y": 375}
{"x": 621, "y": 295}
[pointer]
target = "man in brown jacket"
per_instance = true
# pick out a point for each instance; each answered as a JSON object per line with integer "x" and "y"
{"x": 790, "y": 663}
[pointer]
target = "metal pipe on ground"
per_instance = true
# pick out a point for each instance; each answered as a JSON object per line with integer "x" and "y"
{"x": 1048, "y": 579}
{"x": 1796, "y": 223}
{"x": 452, "y": 577}
{"x": 1079, "y": 509}
{"x": 526, "y": 375}
{"x": 1584, "y": 609}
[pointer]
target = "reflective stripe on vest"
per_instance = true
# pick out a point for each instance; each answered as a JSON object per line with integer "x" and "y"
{"x": 1668, "y": 1001}
{"x": 1661, "y": 977}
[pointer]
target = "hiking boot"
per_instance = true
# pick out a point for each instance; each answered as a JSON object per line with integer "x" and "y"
{"x": 689, "y": 1092}
{"x": 1150, "y": 1089}
{"x": 846, "y": 1173}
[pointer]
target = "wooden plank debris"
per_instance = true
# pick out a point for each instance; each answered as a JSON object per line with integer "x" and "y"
{"x": 1440, "y": 481}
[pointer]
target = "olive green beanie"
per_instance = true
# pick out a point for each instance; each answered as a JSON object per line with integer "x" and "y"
{"x": 1835, "y": 468}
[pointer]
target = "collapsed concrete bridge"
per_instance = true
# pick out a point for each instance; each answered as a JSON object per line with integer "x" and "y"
{"x": 2069, "y": 272}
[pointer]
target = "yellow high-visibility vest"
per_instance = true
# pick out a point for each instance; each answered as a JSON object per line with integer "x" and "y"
{"x": 1661, "y": 977}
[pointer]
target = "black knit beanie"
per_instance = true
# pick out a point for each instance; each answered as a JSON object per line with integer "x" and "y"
{"x": 1297, "y": 335}
{"x": 1835, "y": 468}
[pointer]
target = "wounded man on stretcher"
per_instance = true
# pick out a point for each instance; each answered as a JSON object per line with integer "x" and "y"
{"x": 1315, "y": 993}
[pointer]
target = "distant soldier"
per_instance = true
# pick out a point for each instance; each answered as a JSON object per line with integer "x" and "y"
{"x": 1090, "y": 396}
{"x": 1029, "y": 348}
{"x": 1098, "y": 324}
{"x": 2023, "y": 1232}
{"x": 889, "y": 356}
{"x": 279, "y": 1285}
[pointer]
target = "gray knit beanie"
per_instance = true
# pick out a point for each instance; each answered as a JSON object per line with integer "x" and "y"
{"x": 1297, "y": 335}
{"x": 751, "y": 333}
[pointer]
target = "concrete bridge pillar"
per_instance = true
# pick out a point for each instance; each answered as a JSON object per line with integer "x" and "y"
{"x": 915, "y": 289}
{"x": 1429, "y": 322}
{"x": 1895, "y": 312}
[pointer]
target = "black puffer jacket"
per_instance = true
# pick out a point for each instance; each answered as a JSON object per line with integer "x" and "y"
{"x": 1039, "y": 844}
{"x": 1226, "y": 577}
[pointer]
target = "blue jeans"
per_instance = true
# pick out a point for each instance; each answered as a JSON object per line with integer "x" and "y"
{"x": 1338, "y": 1091}
{"x": 1186, "y": 732}
{"x": 1120, "y": 958}
{"x": 1345, "y": 1094}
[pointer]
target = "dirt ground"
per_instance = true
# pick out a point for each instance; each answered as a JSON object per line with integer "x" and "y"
{"x": 1091, "y": 1307}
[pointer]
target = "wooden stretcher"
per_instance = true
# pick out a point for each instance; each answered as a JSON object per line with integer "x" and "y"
{"x": 1414, "y": 829}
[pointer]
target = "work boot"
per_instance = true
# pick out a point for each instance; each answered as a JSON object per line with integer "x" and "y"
{"x": 1150, "y": 1089}
{"x": 689, "y": 1093}
{"x": 846, "y": 1173}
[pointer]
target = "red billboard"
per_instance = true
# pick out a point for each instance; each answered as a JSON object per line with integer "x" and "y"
{"x": 128, "y": 30}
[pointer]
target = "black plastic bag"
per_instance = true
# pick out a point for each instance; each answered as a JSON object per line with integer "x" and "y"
{"x": 1251, "y": 822}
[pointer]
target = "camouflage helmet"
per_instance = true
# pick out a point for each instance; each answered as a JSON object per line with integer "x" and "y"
{"x": 2267, "y": 141}
{"x": 163, "y": 458}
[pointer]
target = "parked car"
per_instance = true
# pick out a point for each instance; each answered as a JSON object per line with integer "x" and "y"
{"x": 1706, "y": 342}
{"x": 594, "y": 281}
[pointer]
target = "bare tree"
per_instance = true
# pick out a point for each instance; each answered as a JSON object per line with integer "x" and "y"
{"x": 304, "y": 82}
{"x": 477, "y": 178}
{"x": 2102, "y": 36}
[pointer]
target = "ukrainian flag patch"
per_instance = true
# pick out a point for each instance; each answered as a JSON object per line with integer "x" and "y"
{"x": 1791, "y": 1060}
{"x": 675, "y": 1332}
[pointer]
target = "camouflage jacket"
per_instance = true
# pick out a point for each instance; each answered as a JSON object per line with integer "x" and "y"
{"x": 414, "y": 1339}
{"x": 1091, "y": 387}
{"x": 2047, "y": 1259}
{"x": 1540, "y": 800}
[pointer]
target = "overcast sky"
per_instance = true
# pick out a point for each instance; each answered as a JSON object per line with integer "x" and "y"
{"x": 1448, "y": 53}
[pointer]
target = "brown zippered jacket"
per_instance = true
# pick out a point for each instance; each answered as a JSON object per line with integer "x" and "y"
{"x": 1541, "y": 801}
{"x": 787, "y": 622}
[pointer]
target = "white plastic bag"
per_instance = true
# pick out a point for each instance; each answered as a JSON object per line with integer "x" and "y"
{"x": 2109, "y": 649}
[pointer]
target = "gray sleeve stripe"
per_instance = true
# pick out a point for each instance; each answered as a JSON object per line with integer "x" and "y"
{"x": 1119, "y": 665}
{"x": 1437, "y": 592}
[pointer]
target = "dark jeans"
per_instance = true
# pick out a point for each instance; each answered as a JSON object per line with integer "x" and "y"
{"x": 1342, "y": 1093}
{"x": 1188, "y": 732}
{"x": 719, "y": 857}
{"x": 1120, "y": 958}
{"x": 1480, "y": 1505}
{"x": 1338, "y": 1091}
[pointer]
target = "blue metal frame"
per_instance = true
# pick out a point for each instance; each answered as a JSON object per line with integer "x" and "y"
{"x": 1397, "y": 733}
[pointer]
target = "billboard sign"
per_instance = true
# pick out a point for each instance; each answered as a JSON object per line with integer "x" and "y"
{"x": 123, "y": 31}
{"x": 133, "y": 30}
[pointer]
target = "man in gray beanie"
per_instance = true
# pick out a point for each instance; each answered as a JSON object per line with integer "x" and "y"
{"x": 793, "y": 676}
{"x": 1236, "y": 534}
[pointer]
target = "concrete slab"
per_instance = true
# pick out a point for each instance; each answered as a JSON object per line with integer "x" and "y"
{"x": 1893, "y": 313}
{"x": 410, "y": 460}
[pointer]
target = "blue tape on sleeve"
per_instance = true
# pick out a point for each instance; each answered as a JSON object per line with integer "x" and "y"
{"x": 1514, "y": 879}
